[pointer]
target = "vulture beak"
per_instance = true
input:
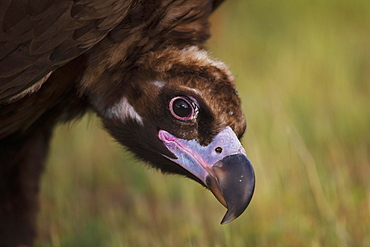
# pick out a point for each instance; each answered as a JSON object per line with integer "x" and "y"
{"x": 222, "y": 166}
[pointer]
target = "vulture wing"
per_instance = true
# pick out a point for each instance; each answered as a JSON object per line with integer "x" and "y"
{"x": 37, "y": 37}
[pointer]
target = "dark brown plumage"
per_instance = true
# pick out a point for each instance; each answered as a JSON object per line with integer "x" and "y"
{"x": 140, "y": 66}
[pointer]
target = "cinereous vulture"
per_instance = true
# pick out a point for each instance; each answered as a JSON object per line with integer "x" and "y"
{"x": 140, "y": 65}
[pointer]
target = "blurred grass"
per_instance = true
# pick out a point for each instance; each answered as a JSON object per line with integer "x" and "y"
{"x": 303, "y": 72}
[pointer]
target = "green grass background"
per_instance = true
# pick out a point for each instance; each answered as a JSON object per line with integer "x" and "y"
{"x": 303, "y": 73}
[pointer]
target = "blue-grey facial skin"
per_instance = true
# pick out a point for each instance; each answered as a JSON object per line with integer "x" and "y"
{"x": 222, "y": 166}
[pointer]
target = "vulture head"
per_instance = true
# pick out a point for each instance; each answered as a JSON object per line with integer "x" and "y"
{"x": 179, "y": 111}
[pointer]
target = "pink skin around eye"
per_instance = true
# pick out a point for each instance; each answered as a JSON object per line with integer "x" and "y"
{"x": 191, "y": 115}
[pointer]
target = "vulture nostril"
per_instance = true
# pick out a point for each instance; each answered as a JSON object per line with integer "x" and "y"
{"x": 218, "y": 150}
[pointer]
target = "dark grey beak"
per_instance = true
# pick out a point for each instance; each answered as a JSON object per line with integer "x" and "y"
{"x": 232, "y": 182}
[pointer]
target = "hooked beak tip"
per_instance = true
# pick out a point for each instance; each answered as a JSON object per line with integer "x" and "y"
{"x": 232, "y": 183}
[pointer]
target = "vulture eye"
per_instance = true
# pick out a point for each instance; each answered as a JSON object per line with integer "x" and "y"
{"x": 183, "y": 108}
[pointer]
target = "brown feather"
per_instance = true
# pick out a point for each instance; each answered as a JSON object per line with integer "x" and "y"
{"x": 35, "y": 41}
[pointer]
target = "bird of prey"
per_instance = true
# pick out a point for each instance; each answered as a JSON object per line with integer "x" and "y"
{"x": 140, "y": 65}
